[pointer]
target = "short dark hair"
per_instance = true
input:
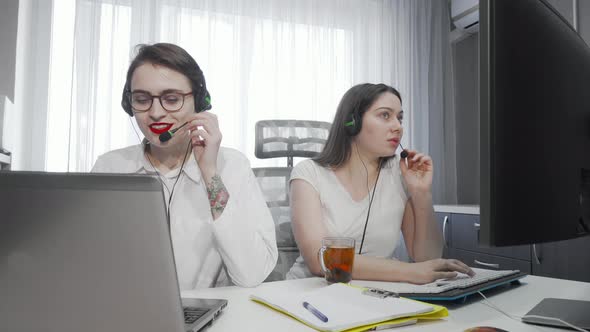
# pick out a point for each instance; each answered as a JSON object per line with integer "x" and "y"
{"x": 173, "y": 57}
{"x": 357, "y": 99}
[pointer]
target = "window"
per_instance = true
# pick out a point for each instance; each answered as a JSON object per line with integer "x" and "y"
{"x": 256, "y": 68}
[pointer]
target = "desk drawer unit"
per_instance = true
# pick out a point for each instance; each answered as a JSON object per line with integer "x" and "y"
{"x": 465, "y": 235}
{"x": 492, "y": 262}
{"x": 461, "y": 237}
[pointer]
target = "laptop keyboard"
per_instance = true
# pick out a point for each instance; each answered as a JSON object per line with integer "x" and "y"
{"x": 192, "y": 314}
{"x": 462, "y": 281}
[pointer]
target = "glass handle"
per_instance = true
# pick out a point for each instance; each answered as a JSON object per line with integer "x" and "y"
{"x": 321, "y": 258}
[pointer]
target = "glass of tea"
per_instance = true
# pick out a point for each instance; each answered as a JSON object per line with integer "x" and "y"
{"x": 336, "y": 258}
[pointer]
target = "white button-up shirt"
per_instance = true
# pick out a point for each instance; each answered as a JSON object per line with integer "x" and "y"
{"x": 238, "y": 248}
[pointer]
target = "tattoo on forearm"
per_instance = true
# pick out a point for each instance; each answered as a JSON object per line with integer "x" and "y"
{"x": 218, "y": 196}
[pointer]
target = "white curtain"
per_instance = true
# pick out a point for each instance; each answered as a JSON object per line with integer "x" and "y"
{"x": 262, "y": 59}
{"x": 25, "y": 120}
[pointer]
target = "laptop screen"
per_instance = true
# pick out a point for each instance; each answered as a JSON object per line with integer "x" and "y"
{"x": 86, "y": 252}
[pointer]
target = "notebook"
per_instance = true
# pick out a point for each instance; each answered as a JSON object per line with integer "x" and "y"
{"x": 348, "y": 308}
{"x": 89, "y": 252}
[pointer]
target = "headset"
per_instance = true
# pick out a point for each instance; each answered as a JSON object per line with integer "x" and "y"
{"x": 202, "y": 102}
{"x": 201, "y": 96}
{"x": 353, "y": 123}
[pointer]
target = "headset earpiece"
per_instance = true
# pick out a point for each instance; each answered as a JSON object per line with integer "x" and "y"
{"x": 205, "y": 103}
{"x": 353, "y": 124}
{"x": 126, "y": 103}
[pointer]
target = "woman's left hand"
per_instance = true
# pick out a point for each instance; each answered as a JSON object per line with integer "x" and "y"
{"x": 417, "y": 171}
{"x": 205, "y": 139}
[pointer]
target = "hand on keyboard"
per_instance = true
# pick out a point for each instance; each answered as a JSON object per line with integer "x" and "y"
{"x": 460, "y": 276}
{"x": 432, "y": 270}
{"x": 464, "y": 281}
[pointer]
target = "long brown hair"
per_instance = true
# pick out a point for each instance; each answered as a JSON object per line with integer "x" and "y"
{"x": 357, "y": 99}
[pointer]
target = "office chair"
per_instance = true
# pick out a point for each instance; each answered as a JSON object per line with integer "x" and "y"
{"x": 5, "y": 160}
{"x": 290, "y": 138}
{"x": 285, "y": 139}
{"x": 274, "y": 183}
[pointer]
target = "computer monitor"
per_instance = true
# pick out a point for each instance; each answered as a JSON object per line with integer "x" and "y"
{"x": 535, "y": 131}
{"x": 534, "y": 125}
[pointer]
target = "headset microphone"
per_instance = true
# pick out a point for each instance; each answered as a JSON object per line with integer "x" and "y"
{"x": 404, "y": 153}
{"x": 165, "y": 137}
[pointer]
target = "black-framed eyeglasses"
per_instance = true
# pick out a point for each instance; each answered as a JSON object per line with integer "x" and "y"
{"x": 142, "y": 101}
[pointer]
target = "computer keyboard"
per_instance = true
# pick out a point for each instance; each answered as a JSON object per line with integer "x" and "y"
{"x": 192, "y": 314}
{"x": 461, "y": 281}
{"x": 449, "y": 289}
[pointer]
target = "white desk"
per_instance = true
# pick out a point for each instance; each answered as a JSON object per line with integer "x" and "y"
{"x": 243, "y": 314}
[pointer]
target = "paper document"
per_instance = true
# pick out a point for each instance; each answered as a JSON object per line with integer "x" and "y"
{"x": 347, "y": 308}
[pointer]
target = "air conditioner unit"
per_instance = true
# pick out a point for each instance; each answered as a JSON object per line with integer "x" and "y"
{"x": 465, "y": 15}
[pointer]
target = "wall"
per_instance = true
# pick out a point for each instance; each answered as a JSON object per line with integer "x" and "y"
{"x": 466, "y": 94}
{"x": 8, "y": 28}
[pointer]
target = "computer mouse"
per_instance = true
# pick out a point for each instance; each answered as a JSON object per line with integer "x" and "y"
{"x": 484, "y": 329}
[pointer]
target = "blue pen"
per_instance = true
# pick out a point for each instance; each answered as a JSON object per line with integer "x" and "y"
{"x": 315, "y": 312}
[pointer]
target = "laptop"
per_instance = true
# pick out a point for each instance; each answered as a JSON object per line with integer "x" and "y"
{"x": 574, "y": 312}
{"x": 90, "y": 252}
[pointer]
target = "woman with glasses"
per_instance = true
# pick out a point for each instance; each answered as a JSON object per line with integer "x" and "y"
{"x": 222, "y": 232}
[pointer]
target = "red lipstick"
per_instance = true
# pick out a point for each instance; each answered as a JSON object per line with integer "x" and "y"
{"x": 160, "y": 128}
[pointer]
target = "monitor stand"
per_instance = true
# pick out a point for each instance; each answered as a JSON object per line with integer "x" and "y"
{"x": 550, "y": 310}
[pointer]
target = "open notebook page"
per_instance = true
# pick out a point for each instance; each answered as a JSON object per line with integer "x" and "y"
{"x": 345, "y": 306}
